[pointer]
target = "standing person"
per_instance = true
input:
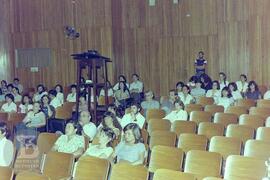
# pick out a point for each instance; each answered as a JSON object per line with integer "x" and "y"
{"x": 226, "y": 99}
{"x": 71, "y": 97}
{"x": 26, "y": 104}
{"x": 6, "y": 146}
{"x": 133, "y": 117}
{"x": 223, "y": 80}
{"x": 16, "y": 83}
{"x": 149, "y": 102}
{"x": 9, "y": 106}
{"x": 136, "y": 88}
{"x": 242, "y": 84}
{"x": 214, "y": 92}
{"x": 60, "y": 94}
{"x": 253, "y": 91}
{"x": 178, "y": 114}
{"x": 200, "y": 64}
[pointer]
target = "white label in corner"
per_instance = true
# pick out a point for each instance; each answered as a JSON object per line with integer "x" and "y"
{"x": 34, "y": 69}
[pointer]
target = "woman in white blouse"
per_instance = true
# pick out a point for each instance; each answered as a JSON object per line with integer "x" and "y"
{"x": 16, "y": 94}
{"x": 179, "y": 114}
{"x": 136, "y": 88}
{"x": 215, "y": 91}
{"x": 60, "y": 94}
{"x": 9, "y": 106}
{"x": 121, "y": 78}
{"x": 226, "y": 99}
{"x": 6, "y": 146}
{"x": 71, "y": 97}
{"x": 26, "y": 104}
{"x": 185, "y": 97}
{"x": 242, "y": 84}
{"x": 223, "y": 80}
{"x": 234, "y": 91}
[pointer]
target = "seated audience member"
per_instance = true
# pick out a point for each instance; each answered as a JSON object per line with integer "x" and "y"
{"x": 185, "y": 97}
{"x": 109, "y": 89}
{"x": 9, "y": 106}
{"x": 136, "y": 88}
{"x": 167, "y": 103}
{"x": 48, "y": 109}
{"x": 149, "y": 102}
{"x": 242, "y": 84}
{"x": 104, "y": 148}
{"x": 214, "y": 92}
{"x": 109, "y": 121}
{"x": 83, "y": 105}
{"x": 191, "y": 82}
{"x": 253, "y": 91}
{"x": 6, "y": 147}
{"x": 121, "y": 78}
{"x": 55, "y": 102}
{"x": 113, "y": 109}
{"x": 133, "y": 117}
{"x": 266, "y": 95}
{"x": 178, "y": 114}
{"x": 10, "y": 88}
{"x": 60, "y": 95}
{"x": 197, "y": 91}
{"x": 234, "y": 91}
{"x": 41, "y": 91}
{"x": 89, "y": 129}
{"x": 131, "y": 150}
{"x": 71, "y": 142}
{"x": 179, "y": 85}
{"x": 122, "y": 95}
{"x": 16, "y": 83}
{"x": 71, "y": 97}
{"x": 206, "y": 82}
{"x": 226, "y": 99}
{"x": 222, "y": 80}
{"x": 4, "y": 87}
{"x": 16, "y": 94}
{"x": 26, "y": 104}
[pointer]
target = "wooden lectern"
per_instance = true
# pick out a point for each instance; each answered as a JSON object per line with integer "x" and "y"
{"x": 96, "y": 66}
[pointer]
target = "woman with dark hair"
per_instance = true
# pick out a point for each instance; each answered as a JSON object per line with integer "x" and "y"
{"x": 121, "y": 78}
{"x": 179, "y": 88}
{"x": 109, "y": 90}
{"x": 215, "y": 91}
{"x": 226, "y": 99}
{"x": 178, "y": 114}
{"x": 109, "y": 121}
{"x": 191, "y": 82}
{"x": 9, "y": 106}
{"x": 242, "y": 84}
{"x": 134, "y": 116}
{"x": 234, "y": 91}
{"x": 4, "y": 87}
{"x": 6, "y": 146}
{"x": 131, "y": 150}
{"x": 185, "y": 97}
{"x": 71, "y": 97}
{"x": 41, "y": 91}
{"x": 206, "y": 82}
{"x": 104, "y": 148}
{"x": 16, "y": 94}
{"x": 136, "y": 88}
{"x": 223, "y": 80}
{"x": 10, "y": 88}
{"x": 26, "y": 104}
{"x": 83, "y": 104}
{"x": 60, "y": 94}
{"x": 48, "y": 109}
{"x": 71, "y": 142}
{"x": 253, "y": 91}
{"x": 122, "y": 94}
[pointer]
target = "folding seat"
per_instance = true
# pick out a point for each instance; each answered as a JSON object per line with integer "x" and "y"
{"x": 262, "y": 89}
{"x": 258, "y": 149}
{"x": 225, "y": 119}
{"x": 46, "y": 141}
{"x": 205, "y": 101}
{"x": 189, "y": 142}
{"x": 246, "y": 102}
{"x": 124, "y": 171}
{"x": 212, "y": 178}
{"x": 180, "y": 127}
{"x": 158, "y": 125}
{"x": 225, "y": 146}
{"x": 93, "y": 167}
{"x": 200, "y": 116}
{"x": 214, "y": 109}
{"x": 210, "y": 129}
{"x": 164, "y": 157}
{"x": 165, "y": 138}
{"x": 263, "y": 133}
{"x": 193, "y": 107}
{"x": 260, "y": 111}
{"x": 6, "y": 173}
{"x": 242, "y": 132}
{"x": 263, "y": 103}
{"x": 241, "y": 167}
{"x": 162, "y": 174}
{"x": 253, "y": 121}
{"x": 28, "y": 175}
{"x": 145, "y": 136}
{"x": 237, "y": 110}
{"x": 155, "y": 114}
{"x": 203, "y": 164}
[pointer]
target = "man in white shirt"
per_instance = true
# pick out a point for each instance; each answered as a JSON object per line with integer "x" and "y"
{"x": 133, "y": 117}
{"x": 9, "y": 106}
{"x": 136, "y": 88}
{"x": 16, "y": 83}
{"x": 6, "y": 147}
{"x": 55, "y": 102}
{"x": 89, "y": 128}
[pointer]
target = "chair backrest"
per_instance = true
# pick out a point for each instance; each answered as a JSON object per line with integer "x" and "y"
{"x": 192, "y": 142}
{"x": 203, "y": 163}
{"x": 262, "y": 89}
{"x": 165, "y": 138}
{"x": 158, "y": 125}
{"x": 205, "y": 101}
{"x": 145, "y": 136}
{"x": 225, "y": 119}
{"x": 253, "y": 121}
{"x": 58, "y": 165}
{"x": 258, "y": 149}
{"x": 155, "y": 114}
{"x": 68, "y": 106}
{"x": 16, "y": 117}
{"x": 242, "y": 132}
{"x": 102, "y": 100}
{"x": 246, "y": 102}
{"x": 200, "y": 116}
{"x": 3, "y": 116}
{"x": 93, "y": 167}
{"x": 212, "y": 178}
{"x": 237, "y": 110}
{"x": 180, "y": 127}
{"x": 162, "y": 174}
{"x": 260, "y": 111}
{"x": 124, "y": 171}
{"x": 263, "y": 103}
{"x": 46, "y": 141}
{"x": 6, "y": 173}
{"x": 28, "y": 175}
{"x": 193, "y": 107}
{"x": 244, "y": 168}
{"x": 214, "y": 109}
{"x": 164, "y": 157}
{"x": 225, "y": 146}
{"x": 210, "y": 129}
{"x": 62, "y": 113}
{"x": 263, "y": 133}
